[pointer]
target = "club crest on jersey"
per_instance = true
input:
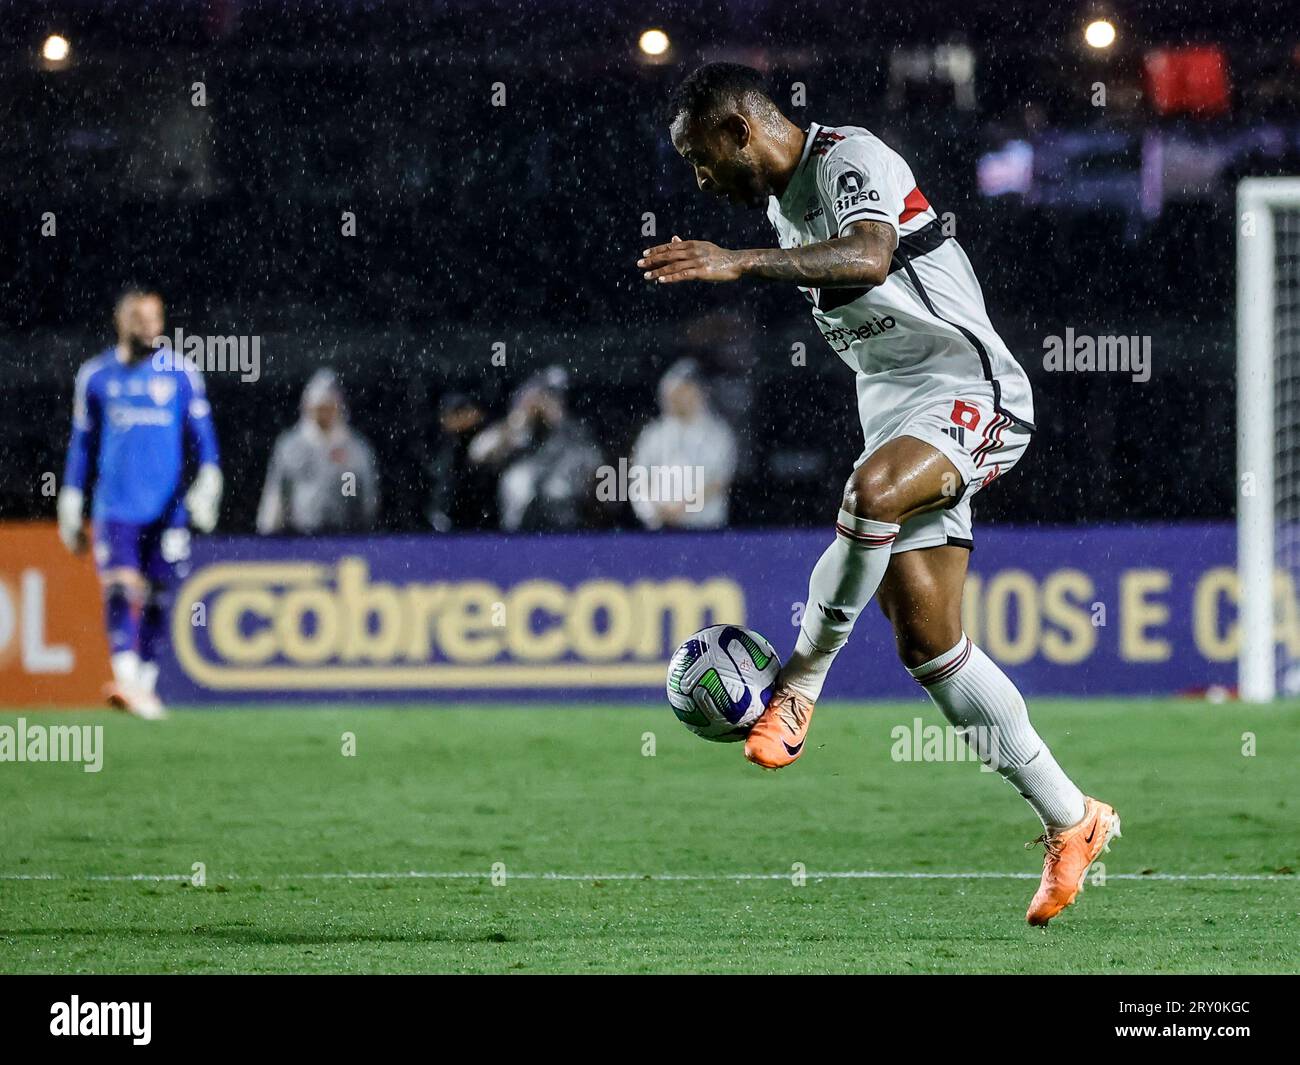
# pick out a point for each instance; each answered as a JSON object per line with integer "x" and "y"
{"x": 161, "y": 390}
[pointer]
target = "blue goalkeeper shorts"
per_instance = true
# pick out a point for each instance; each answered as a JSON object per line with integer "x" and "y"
{"x": 159, "y": 551}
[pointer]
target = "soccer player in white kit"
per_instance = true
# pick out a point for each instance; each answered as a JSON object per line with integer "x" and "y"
{"x": 945, "y": 409}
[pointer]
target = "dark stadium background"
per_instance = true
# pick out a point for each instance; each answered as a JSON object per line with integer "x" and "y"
{"x": 520, "y": 224}
{"x": 394, "y": 752}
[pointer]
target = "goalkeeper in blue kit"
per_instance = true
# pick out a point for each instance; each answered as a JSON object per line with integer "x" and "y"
{"x": 141, "y": 425}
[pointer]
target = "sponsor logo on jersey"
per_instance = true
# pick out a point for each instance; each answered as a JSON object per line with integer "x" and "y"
{"x": 850, "y": 183}
{"x": 851, "y": 190}
{"x": 842, "y": 338}
{"x": 128, "y": 416}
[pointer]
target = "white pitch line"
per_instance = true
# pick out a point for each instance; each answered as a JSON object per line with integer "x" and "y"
{"x": 860, "y": 874}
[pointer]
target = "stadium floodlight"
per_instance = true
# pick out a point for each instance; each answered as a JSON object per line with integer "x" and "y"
{"x": 55, "y": 49}
{"x": 1268, "y": 426}
{"x": 1099, "y": 34}
{"x": 654, "y": 42}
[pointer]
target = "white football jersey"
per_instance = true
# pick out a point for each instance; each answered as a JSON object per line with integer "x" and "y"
{"x": 923, "y": 335}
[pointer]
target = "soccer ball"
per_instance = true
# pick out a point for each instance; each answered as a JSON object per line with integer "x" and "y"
{"x": 720, "y": 680}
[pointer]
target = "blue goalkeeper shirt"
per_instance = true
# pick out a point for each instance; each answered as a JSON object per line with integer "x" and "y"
{"x": 141, "y": 425}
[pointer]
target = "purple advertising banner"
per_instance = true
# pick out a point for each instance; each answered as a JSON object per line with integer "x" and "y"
{"x": 1116, "y": 610}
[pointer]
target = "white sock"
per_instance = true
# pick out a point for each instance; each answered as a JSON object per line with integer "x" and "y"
{"x": 974, "y": 694}
{"x": 126, "y": 668}
{"x": 147, "y": 677}
{"x": 842, "y": 583}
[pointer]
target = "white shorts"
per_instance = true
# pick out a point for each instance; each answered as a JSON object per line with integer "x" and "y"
{"x": 982, "y": 443}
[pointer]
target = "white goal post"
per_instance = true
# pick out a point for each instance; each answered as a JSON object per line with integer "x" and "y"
{"x": 1268, "y": 417}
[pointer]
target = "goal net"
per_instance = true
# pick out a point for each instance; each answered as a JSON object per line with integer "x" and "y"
{"x": 1268, "y": 433}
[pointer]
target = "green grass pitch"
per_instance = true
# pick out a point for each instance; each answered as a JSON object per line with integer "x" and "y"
{"x": 308, "y": 852}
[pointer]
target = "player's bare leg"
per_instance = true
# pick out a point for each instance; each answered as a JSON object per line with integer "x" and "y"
{"x": 125, "y": 591}
{"x": 921, "y": 596}
{"x": 901, "y": 479}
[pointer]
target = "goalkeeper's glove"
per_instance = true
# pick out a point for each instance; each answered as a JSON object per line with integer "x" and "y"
{"x": 203, "y": 500}
{"x": 71, "y": 530}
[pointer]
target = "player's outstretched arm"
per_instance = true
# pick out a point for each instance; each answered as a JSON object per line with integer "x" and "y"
{"x": 860, "y": 257}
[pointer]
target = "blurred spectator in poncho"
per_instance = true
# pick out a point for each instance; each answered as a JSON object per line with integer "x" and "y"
{"x": 686, "y": 457}
{"x": 322, "y": 476}
{"x": 547, "y": 459}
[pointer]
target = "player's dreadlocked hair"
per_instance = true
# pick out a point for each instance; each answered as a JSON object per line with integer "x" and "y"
{"x": 716, "y": 88}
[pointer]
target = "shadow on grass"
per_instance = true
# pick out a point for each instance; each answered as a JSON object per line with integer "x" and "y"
{"x": 255, "y": 936}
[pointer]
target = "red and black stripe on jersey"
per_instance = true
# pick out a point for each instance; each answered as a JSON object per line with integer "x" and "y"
{"x": 824, "y": 141}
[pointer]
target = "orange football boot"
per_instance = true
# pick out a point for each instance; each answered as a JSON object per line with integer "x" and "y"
{"x": 116, "y": 696}
{"x": 137, "y": 703}
{"x": 1070, "y": 852}
{"x": 778, "y": 735}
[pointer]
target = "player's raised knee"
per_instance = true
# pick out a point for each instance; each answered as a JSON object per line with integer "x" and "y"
{"x": 921, "y": 640}
{"x": 872, "y": 492}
